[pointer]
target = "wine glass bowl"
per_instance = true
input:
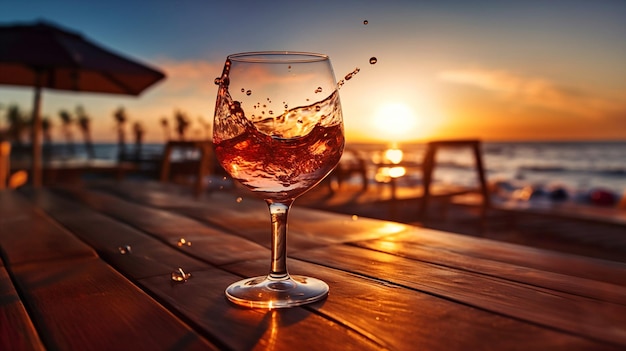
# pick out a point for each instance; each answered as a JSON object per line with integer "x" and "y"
{"x": 278, "y": 130}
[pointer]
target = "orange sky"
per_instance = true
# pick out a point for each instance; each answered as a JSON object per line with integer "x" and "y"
{"x": 494, "y": 70}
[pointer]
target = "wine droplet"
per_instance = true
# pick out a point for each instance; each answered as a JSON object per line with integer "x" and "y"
{"x": 249, "y": 92}
{"x": 183, "y": 242}
{"x": 352, "y": 74}
{"x": 366, "y": 22}
{"x": 217, "y": 81}
{"x": 373, "y": 60}
{"x": 125, "y": 249}
{"x": 243, "y": 90}
{"x": 318, "y": 90}
{"x": 180, "y": 276}
{"x": 239, "y": 199}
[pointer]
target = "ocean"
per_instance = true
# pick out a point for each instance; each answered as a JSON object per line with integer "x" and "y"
{"x": 526, "y": 171}
{"x": 571, "y": 169}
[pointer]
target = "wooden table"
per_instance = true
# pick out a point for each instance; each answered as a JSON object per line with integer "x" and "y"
{"x": 90, "y": 268}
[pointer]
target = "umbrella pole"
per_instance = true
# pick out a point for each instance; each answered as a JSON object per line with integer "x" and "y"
{"x": 35, "y": 130}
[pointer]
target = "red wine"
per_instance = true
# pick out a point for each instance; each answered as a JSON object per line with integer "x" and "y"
{"x": 277, "y": 168}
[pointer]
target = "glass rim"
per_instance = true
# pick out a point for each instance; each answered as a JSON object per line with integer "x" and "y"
{"x": 277, "y": 57}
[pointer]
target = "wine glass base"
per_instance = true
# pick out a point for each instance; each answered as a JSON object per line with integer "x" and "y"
{"x": 266, "y": 292}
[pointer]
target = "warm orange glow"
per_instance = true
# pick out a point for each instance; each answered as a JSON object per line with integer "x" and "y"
{"x": 394, "y": 155}
{"x": 395, "y": 121}
{"x": 385, "y": 174}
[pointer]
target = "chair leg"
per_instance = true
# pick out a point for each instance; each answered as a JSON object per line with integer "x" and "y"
{"x": 481, "y": 176}
{"x": 427, "y": 171}
{"x": 165, "y": 164}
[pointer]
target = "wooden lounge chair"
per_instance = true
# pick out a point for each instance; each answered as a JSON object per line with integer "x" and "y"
{"x": 198, "y": 167}
{"x": 429, "y": 165}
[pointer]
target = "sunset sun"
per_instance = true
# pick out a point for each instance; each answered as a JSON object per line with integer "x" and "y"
{"x": 395, "y": 121}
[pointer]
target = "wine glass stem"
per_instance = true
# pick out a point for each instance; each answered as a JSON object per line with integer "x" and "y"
{"x": 279, "y": 212}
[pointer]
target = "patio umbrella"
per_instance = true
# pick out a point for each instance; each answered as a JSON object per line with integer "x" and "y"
{"x": 43, "y": 55}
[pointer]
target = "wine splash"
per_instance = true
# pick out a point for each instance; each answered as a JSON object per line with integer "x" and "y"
{"x": 282, "y": 156}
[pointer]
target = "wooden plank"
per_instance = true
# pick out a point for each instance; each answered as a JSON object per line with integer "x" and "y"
{"x": 148, "y": 256}
{"x": 202, "y": 300}
{"x": 399, "y": 318}
{"x": 170, "y": 228}
{"x": 242, "y": 333}
{"x": 249, "y": 217}
{"x": 308, "y": 225}
{"x": 82, "y": 304}
{"x": 194, "y": 302}
{"x": 402, "y": 245}
{"x": 17, "y": 331}
{"x": 27, "y": 235}
{"x": 567, "y": 312}
{"x": 582, "y": 267}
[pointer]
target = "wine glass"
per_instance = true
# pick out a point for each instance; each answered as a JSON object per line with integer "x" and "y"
{"x": 278, "y": 130}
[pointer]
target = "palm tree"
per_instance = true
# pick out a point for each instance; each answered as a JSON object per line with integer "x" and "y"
{"x": 66, "y": 119}
{"x": 17, "y": 124}
{"x": 84, "y": 124}
{"x": 207, "y": 128}
{"x": 166, "y": 128}
{"x": 182, "y": 123}
{"x": 120, "y": 119}
{"x": 139, "y": 131}
{"x": 46, "y": 126}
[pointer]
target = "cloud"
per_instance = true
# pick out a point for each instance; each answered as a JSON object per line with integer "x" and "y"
{"x": 537, "y": 92}
{"x": 189, "y": 86}
{"x": 189, "y": 77}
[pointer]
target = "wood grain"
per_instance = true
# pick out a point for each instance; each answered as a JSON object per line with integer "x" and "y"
{"x": 571, "y": 265}
{"x": 27, "y": 235}
{"x": 17, "y": 331}
{"x": 82, "y": 304}
{"x": 404, "y": 245}
{"x": 393, "y": 286}
{"x": 406, "y": 319}
{"x": 567, "y": 312}
{"x": 171, "y": 227}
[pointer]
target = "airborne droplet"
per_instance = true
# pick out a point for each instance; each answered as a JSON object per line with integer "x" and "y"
{"x": 373, "y": 60}
{"x": 217, "y": 81}
{"x": 318, "y": 90}
{"x": 352, "y": 74}
{"x": 366, "y": 22}
{"x": 249, "y": 92}
{"x": 242, "y": 90}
